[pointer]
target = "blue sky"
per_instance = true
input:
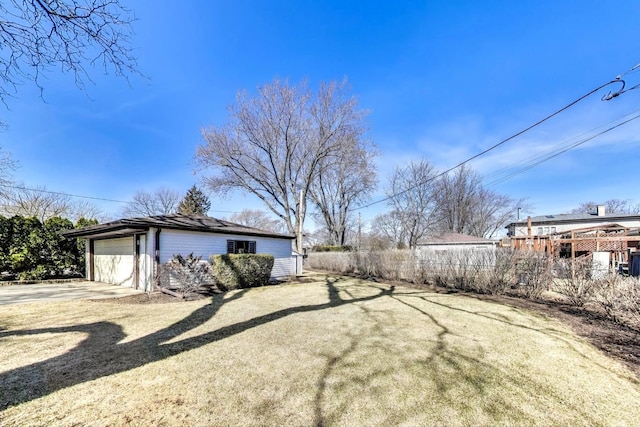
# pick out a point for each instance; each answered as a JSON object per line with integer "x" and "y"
{"x": 441, "y": 79}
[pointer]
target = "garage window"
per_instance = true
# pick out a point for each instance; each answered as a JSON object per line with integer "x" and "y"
{"x": 241, "y": 246}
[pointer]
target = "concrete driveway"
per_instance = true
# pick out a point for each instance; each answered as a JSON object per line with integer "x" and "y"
{"x": 23, "y": 294}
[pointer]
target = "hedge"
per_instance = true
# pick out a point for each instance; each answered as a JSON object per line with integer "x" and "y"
{"x": 331, "y": 248}
{"x": 235, "y": 271}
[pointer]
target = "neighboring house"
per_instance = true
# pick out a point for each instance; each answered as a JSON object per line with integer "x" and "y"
{"x": 552, "y": 224}
{"x": 455, "y": 241}
{"x": 127, "y": 252}
{"x": 454, "y": 250}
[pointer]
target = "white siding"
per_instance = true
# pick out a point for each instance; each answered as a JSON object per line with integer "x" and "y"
{"x": 113, "y": 261}
{"x": 521, "y": 230}
{"x": 144, "y": 264}
{"x": 456, "y": 247}
{"x": 173, "y": 242}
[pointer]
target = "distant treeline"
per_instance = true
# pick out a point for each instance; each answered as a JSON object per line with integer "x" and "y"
{"x": 34, "y": 250}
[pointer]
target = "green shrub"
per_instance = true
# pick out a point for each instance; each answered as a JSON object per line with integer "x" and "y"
{"x": 330, "y": 248}
{"x": 233, "y": 271}
{"x": 40, "y": 272}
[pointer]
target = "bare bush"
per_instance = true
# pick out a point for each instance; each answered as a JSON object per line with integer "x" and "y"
{"x": 390, "y": 265}
{"x": 339, "y": 262}
{"x": 494, "y": 272}
{"x": 573, "y": 279}
{"x": 534, "y": 273}
{"x": 484, "y": 271}
{"x": 394, "y": 265}
{"x": 458, "y": 270}
{"x": 502, "y": 274}
{"x": 189, "y": 274}
{"x": 619, "y": 297}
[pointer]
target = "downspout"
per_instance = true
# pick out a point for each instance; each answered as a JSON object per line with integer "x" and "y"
{"x": 157, "y": 256}
{"x": 89, "y": 249}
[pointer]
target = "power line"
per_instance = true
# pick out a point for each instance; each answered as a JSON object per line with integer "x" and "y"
{"x": 554, "y": 151}
{"x": 60, "y": 193}
{"x": 607, "y": 97}
{"x": 564, "y": 150}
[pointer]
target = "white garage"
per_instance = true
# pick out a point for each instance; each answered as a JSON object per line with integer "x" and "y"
{"x": 114, "y": 261}
{"x": 128, "y": 252}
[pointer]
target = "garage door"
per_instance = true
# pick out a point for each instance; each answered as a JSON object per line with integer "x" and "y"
{"x": 113, "y": 261}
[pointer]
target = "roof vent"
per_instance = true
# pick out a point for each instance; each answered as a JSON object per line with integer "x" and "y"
{"x": 600, "y": 210}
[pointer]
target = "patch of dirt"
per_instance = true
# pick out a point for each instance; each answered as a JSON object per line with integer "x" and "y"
{"x": 155, "y": 297}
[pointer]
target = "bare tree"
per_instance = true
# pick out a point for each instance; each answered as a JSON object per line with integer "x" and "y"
{"x": 87, "y": 210}
{"x": 457, "y": 194}
{"x": 317, "y": 237}
{"x": 464, "y": 205}
{"x": 275, "y": 144}
{"x": 613, "y": 206}
{"x": 7, "y": 166}
{"x": 38, "y": 35}
{"x": 412, "y": 198}
{"x": 375, "y": 242}
{"x": 258, "y": 219}
{"x": 492, "y": 212}
{"x": 44, "y": 204}
{"x": 389, "y": 230}
{"x": 342, "y": 181}
{"x": 161, "y": 202}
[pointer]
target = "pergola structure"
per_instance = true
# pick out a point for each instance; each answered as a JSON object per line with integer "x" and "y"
{"x": 613, "y": 238}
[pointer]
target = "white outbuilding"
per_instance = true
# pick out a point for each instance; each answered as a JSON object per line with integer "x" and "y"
{"x": 127, "y": 252}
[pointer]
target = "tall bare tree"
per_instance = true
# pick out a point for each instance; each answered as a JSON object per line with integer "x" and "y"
{"x": 492, "y": 212}
{"x": 342, "y": 181}
{"x": 456, "y": 195}
{"x": 411, "y": 196}
{"x": 258, "y": 219}
{"x": 464, "y": 205}
{"x": 275, "y": 144}
{"x": 161, "y": 202}
{"x": 39, "y": 35}
{"x": 7, "y": 166}
{"x": 44, "y": 204}
{"x": 389, "y": 230}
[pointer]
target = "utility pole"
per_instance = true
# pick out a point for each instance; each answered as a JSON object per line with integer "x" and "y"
{"x": 359, "y": 230}
{"x": 299, "y": 228}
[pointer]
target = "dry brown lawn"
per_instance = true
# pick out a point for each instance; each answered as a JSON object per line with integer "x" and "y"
{"x": 326, "y": 351}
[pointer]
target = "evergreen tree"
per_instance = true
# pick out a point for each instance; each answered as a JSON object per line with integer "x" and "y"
{"x": 194, "y": 203}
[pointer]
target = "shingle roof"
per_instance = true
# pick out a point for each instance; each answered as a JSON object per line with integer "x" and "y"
{"x": 453, "y": 239}
{"x": 576, "y": 217}
{"x": 175, "y": 222}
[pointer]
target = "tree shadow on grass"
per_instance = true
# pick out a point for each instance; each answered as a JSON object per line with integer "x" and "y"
{"x": 443, "y": 371}
{"x": 450, "y": 368}
{"x": 102, "y": 353}
{"x": 554, "y": 333}
{"x": 446, "y": 370}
